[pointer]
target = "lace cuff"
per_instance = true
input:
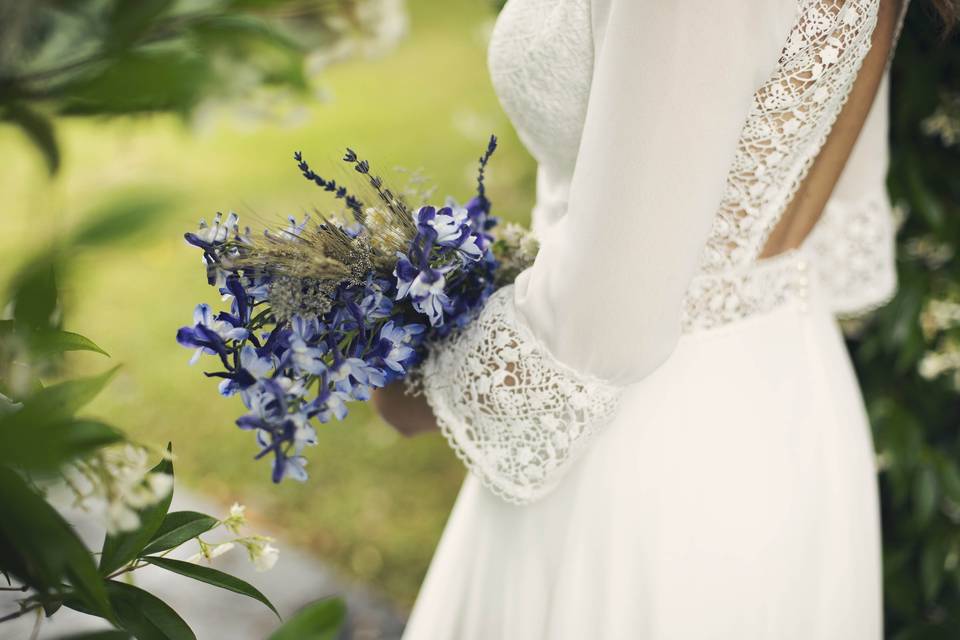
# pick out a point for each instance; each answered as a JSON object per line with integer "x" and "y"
{"x": 516, "y": 416}
{"x": 854, "y": 245}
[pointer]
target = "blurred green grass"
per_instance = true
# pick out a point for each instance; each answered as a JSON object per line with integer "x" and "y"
{"x": 375, "y": 503}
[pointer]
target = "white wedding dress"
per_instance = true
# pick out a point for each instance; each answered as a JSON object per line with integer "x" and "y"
{"x": 665, "y": 435}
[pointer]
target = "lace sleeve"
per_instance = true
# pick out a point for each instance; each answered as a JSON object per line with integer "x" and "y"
{"x": 515, "y": 415}
{"x": 855, "y": 240}
{"x": 522, "y": 392}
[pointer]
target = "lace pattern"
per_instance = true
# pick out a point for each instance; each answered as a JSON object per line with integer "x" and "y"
{"x": 718, "y": 299}
{"x": 792, "y": 115}
{"x": 542, "y": 68}
{"x": 516, "y": 416}
{"x": 853, "y": 247}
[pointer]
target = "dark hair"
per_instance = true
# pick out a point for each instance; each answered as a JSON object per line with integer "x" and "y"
{"x": 949, "y": 11}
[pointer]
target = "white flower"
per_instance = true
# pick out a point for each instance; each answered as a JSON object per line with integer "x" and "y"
{"x": 208, "y": 552}
{"x": 267, "y": 558}
{"x": 116, "y": 482}
{"x": 236, "y": 519}
{"x": 120, "y": 517}
{"x": 263, "y": 554}
{"x": 160, "y": 485}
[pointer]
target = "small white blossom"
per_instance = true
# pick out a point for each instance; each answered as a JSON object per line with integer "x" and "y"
{"x": 120, "y": 517}
{"x": 236, "y": 519}
{"x": 117, "y": 482}
{"x": 210, "y": 551}
{"x": 262, "y": 553}
{"x": 267, "y": 558}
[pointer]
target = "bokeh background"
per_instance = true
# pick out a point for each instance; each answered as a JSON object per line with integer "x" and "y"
{"x": 375, "y": 502}
{"x": 417, "y": 95}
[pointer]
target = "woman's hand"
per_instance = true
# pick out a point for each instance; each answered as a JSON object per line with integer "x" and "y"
{"x": 410, "y": 415}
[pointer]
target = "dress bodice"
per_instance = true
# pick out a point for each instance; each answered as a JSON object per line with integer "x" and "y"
{"x": 671, "y": 136}
{"x": 541, "y": 61}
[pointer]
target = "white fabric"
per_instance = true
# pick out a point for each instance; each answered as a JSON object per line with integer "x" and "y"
{"x": 657, "y": 207}
{"x": 732, "y": 498}
{"x": 854, "y": 243}
{"x": 670, "y": 138}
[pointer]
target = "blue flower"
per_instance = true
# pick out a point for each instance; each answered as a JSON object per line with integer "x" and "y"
{"x": 405, "y": 273}
{"x": 252, "y": 368}
{"x": 375, "y": 305}
{"x": 209, "y": 335}
{"x": 305, "y": 358}
{"x": 306, "y": 329}
{"x": 472, "y": 247}
{"x": 279, "y": 431}
{"x": 330, "y": 403}
{"x": 293, "y": 466}
{"x": 219, "y": 231}
{"x": 450, "y": 225}
{"x": 396, "y": 352}
{"x": 428, "y": 295}
{"x": 355, "y": 377}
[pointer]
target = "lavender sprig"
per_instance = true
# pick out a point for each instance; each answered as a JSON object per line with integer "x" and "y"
{"x": 354, "y": 204}
{"x": 321, "y": 314}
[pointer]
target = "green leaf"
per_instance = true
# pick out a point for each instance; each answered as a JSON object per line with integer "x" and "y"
{"x": 47, "y": 447}
{"x": 42, "y": 550}
{"x": 34, "y": 293}
{"x": 922, "y": 198}
{"x": 130, "y": 20}
{"x": 146, "y": 616}
{"x": 213, "y": 577}
{"x": 925, "y": 495}
{"x": 276, "y": 55}
{"x": 165, "y": 80}
{"x": 317, "y": 621}
{"x": 179, "y": 527}
{"x": 39, "y": 130}
{"x": 121, "y": 217}
{"x": 56, "y": 403}
{"x": 950, "y": 478}
{"x": 121, "y": 548}
{"x": 932, "y": 569}
{"x": 57, "y": 341}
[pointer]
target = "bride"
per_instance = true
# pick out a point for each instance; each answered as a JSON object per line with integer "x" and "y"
{"x": 665, "y": 436}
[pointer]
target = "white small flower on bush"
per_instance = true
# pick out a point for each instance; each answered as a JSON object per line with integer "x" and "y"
{"x": 263, "y": 554}
{"x": 236, "y": 519}
{"x": 117, "y": 482}
{"x": 210, "y": 551}
{"x": 267, "y": 557}
{"x": 120, "y": 517}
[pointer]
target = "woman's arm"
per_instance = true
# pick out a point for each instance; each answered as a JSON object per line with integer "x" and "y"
{"x": 409, "y": 414}
{"x": 521, "y": 391}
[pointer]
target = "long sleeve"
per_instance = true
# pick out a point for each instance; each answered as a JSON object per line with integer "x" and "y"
{"x": 522, "y": 391}
{"x": 855, "y": 240}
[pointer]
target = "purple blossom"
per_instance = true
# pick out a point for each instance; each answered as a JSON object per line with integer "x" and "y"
{"x": 293, "y": 374}
{"x": 428, "y": 295}
{"x": 252, "y": 368}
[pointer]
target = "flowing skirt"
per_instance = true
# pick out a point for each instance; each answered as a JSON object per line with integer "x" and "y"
{"x": 733, "y": 498}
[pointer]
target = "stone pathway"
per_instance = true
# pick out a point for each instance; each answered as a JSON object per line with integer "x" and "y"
{"x": 215, "y": 614}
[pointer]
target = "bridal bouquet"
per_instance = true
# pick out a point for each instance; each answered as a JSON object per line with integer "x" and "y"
{"x": 328, "y": 308}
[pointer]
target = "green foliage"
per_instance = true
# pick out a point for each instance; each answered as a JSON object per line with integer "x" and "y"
{"x": 121, "y": 548}
{"x": 41, "y": 433}
{"x": 134, "y": 56}
{"x": 146, "y": 616}
{"x": 177, "y": 528}
{"x": 39, "y": 548}
{"x": 318, "y": 621}
{"x": 212, "y": 577}
{"x": 916, "y": 420}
